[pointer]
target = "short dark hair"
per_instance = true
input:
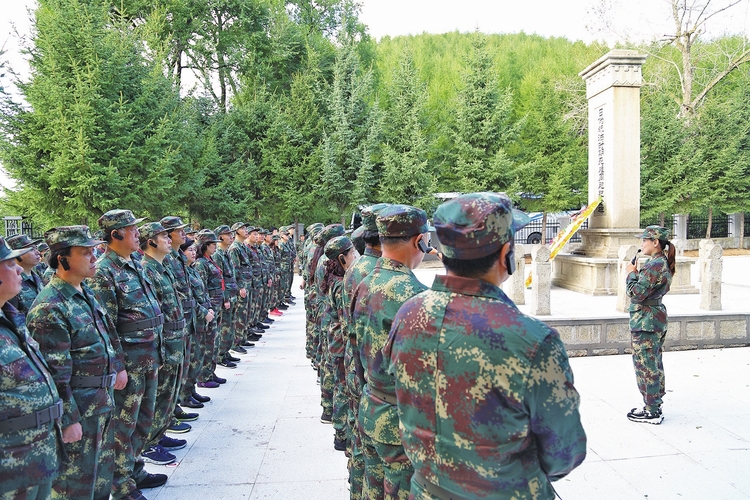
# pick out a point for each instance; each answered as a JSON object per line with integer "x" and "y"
{"x": 472, "y": 268}
{"x": 371, "y": 238}
{"x": 394, "y": 240}
{"x": 53, "y": 256}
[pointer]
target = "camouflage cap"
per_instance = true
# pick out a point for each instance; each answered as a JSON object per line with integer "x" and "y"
{"x": 223, "y": 229}
{"x": 44, "y": 247}
{"x": 238, "y": 225}
{"x": 370, "y": 214}
{"x": 401, "y": 221}
{"x": 172, "y": 223}
{"x": 116, "y": 219}
{"x": 475, "y": 225}
{"x": 329, "y": 232}
{"x": 336, "y": 246}
{"x": 62, "y": 237}
{"x": 150, "y": 229}
{"x": 314, "y": 228}
{"x": 252, "y": 229}
{"x": 21, "y": 241}
{"x": 205, "y": 236}
{"x": 7, "y": 253}
{"x": 654, "y": 233}
{"x": 357, "y": 234}
{"x": 275, "y": 237}
{"x": 190, "y": 230}
{"x": 283, "y": 229}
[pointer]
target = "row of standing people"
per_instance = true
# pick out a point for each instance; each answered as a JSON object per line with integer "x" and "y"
{"x": 97, "y": 352}
{"x": 441, "y": 392}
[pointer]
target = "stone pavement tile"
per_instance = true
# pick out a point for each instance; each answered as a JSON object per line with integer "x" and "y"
{"x": 728, "y": 465}
{"x": 674, "y": 476}
{"x": 595, "y": 480}
{"x": 300, "y": 406}
{"x": 328, "y": 490}
{"x": 738, "y": 425}
{"x": 217, "y": 466}
{"x": 203, "y": 492}
{"x": 233, "y": 435}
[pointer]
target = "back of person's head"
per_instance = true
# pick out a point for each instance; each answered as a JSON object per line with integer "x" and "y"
{"x": 472, "y": 230}
{"x": 397, "y": 224}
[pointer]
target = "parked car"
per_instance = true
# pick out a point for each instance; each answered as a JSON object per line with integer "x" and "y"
{"x": 532, "y": 233}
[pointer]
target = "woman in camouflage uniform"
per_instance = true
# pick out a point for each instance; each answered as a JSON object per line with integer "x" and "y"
{"x": 648, "y": 319}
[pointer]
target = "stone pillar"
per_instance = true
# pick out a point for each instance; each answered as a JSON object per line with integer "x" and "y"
{"x": 734, "y": 222}
{"x": 711, "y": 284}
{"x": 541, "y": 270}
{"x": 613, "y": 91}
{"x": 625, "y": 255}
{"x": 515, "y": 286}
{"x": 679, "y": 247}
{"x": 680, "y": 227}
{"x": 702, "y": 244}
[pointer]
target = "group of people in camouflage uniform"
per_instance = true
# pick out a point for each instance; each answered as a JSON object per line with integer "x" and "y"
{"x": 105, "y": 338}
{"x": 447, "y": 392}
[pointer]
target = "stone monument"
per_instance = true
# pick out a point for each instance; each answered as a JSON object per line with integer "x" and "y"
{"x": 613, "y": 91}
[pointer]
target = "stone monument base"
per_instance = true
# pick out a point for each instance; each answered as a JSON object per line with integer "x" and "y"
{"x": 605, "y": 243}
{"x": 598, "y": 276}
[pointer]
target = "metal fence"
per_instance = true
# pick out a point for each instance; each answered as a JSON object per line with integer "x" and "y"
{"x": 532, "y": 234}
{"x": 697, "y": 225}
{"x": 19, "y": 225}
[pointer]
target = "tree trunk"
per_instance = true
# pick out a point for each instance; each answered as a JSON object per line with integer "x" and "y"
{"x": 544, "y": 227}
{"x": 742, "y": 230}
{"x": 710, "y": 221}
{"x": 661, "y": 219}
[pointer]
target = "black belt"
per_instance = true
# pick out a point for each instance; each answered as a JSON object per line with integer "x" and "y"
{"x": 434, "y": 489}
{"x": 36, "y": 419}
{"x": 141, "y": 324}
{"x": 215, "y": 292}
{"x": 173, "y": 326}
{"x": 650, "y": 302}
{"x": 188, "y": 304}
{"x": 102, "y": 381}
{"x": 388, "y": 398}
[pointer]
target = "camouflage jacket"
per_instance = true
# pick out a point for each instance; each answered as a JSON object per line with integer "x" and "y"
{"x": 48, "y": 273}
{"x": 243, "y": 266}
{"x": 485, "y": 393}
{"x": 31, "y": 285}
{"x": 352, "y": 278}
{"x": 30, "y": 456}
{"x": 173, "y": 331}
{"x": 376, "y": 301}
{"x": 651, "y": 282}
{"x": 231, "y": 289}
{"x": 286, "y": 256}
{"x": 72, "y": 330}
{"x": 177, "y": 263}
{"x": 257, "y": 263}
{"x": 202, "y": 300}
{"x": 213, "y": 281}
{"x": 127, "y": 295}
{"x": 336, "y": 326}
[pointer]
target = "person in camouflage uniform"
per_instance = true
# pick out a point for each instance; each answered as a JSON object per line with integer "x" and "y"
{"x": 403, "y": 230}
{"x": 244, "y": 333}
{"x": 127, "y": 295}
{"x": 309, "y": 291}
{"x": 278, "y": 260}
{"x": 322, "y": 323}
{"x": 340, "y": 254}
{"x": 72, "y": 329}
{"x": 485, "y": 393}
{"x": 157, "y": 245}
{"x": 225, "y": 337}
{"x": 204, "y": 315}
{"x": 213, "y": 281}
{"x": 30, "y": 436}
{"x": 352, "y": 278}
{"x": 648, "y": 320}
{"x": 32, "y": 282}
{"x": 42, "y": 267}
{"x": 256, "y": 315}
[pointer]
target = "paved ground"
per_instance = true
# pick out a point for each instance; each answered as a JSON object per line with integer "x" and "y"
{"x": 260, "y": 436}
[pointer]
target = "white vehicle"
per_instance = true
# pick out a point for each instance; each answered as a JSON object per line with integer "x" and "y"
{"x": 532, "y": 233}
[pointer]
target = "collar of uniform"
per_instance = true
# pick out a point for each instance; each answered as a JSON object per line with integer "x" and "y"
{"x": 372, "y": 252}
{"x": 468, "y": 286}
{"x": 392, "y": 265}
{"x": 66, "y": 289}
{"x": 159, "y": 266}
{"x": 117, "y": 259}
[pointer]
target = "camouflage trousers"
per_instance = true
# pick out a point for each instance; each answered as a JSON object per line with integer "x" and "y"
{"x": 373, "y": 477}
{"x": 166, "y": 401}
{"x": 649, "y": 369}
{"x": 356, "y": 463}
{"x": 226, "y": 330}
{"x": 88, "y": 474}
{"x": 39, "y": 492}
{"x": 340, "y": 397}
{"x": 397, "y": 469}
{"x": 309, "y": 330}
{"x": 193, "y": 358}
{"x": 210, "y": 351}
{"x": 132, "y": 419}
{"x": 241, "y": 317}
